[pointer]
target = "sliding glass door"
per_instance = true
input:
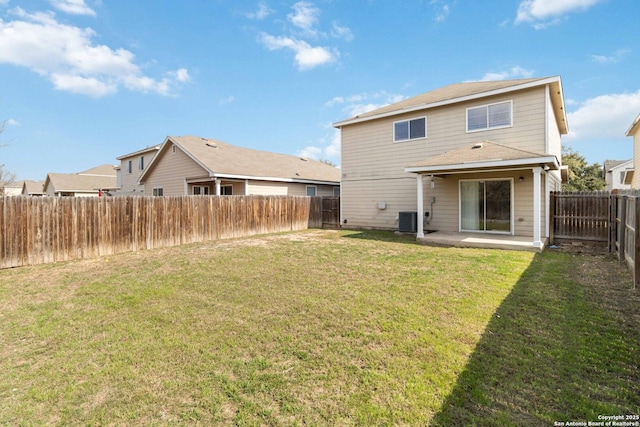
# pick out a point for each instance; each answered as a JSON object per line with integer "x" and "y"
{"x": 486, "y": 205}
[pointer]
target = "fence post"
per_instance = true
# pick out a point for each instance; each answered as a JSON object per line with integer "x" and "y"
{"x": 552, "y": 217}
{"x": 612, "y": 221}
{"x": 636, "y": 244}
{"x": 622, "y": 230}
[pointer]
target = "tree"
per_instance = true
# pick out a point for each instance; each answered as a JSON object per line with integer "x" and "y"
{"x": 6, "y": 177}
{"x": 582, "y": 176}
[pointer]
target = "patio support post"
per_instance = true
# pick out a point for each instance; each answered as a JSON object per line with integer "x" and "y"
{"x": 420, "y": 220}
{"x": 537, "y": 241}
{"x": 218, "y": 186}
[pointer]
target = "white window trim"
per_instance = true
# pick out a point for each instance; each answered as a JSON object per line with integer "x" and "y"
{"x": 510, "y": 102}
{"x": 129, "y": 166}
{"x": 512, "y": 207}
{"x": 173, "y": 149}
{"x": 155, "y": 191}
{"x": 311, "y": 186}
{"x": 396, "y": 141}
{"x": 201, "y": 187}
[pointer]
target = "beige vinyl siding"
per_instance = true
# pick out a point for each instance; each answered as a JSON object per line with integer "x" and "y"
{"x": 169, "y": 172}
{"x": 635, "y": 182}
{"x": 373, "y": 165}
{"x": 129, "y": 181}
{"x": 554, "y": 140}
{"x": 266, "y": 188}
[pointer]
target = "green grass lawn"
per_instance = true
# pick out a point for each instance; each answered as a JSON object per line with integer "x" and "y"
{"x": 319, "y": 328}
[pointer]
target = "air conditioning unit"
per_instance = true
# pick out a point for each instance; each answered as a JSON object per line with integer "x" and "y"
{"x": 408, "y": 222}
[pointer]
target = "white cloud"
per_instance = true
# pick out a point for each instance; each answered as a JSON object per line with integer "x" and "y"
{"x": 326, "y": 151}
{"x": 262, "y": 12}
{"x": 511, "y": 73}
{"x": 68, "y": 57}
{"x": 340, "y": 32}
{"x": 226, "y": 101}
{"x": 12, "y": 122}
{"x": 306, "y": 56}
{"x": 543, "y": 13}
{"x": 305, "y": 17}
{"x": 73, "y": 7}
{"x": 355, "y": 105}
{"x": 605, "y": 116}
{"x": 616, "y": 57}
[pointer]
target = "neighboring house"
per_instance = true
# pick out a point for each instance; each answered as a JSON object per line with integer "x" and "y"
{"x": 477, "y": 157}
{"x": 614, "y": 172}
{"x": 13, "y": 189}
{"x": 90, "y": 183}
{"x": 630, "y": 177}
{"x": 193, "y": 165}
{"x": 131, "y": 167}
{"x": 33, "y": 188}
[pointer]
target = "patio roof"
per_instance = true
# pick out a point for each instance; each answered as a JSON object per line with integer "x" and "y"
{"x": 481, "y": 156}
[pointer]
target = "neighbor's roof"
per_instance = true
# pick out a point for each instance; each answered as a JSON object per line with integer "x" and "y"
{"x": 33, "y": 187}
{"x": 461, "y": 92}
{"x": 71, "y": 182}
{"x": 224, "y": 160}
{"x": 482, "y": 155}
{"x": 137, "y": 153}
{"x": 611, "y": 164}
{"x": 102, "y": 170}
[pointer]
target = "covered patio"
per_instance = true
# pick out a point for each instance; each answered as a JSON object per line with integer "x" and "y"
{"x": 523, "y": 180}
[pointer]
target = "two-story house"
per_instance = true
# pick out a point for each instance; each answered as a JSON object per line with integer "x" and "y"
{"x": 131, "y": 167}
{"x": 478, "y": 157}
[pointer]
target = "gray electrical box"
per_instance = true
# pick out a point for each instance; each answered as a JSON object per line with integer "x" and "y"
{"x": 408, "y": 222}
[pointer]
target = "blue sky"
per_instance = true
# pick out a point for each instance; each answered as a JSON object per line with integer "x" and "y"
{"x": 85, "y": 81}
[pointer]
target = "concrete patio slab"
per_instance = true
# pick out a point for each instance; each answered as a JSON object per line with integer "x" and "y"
{"x": 479, "y": 240}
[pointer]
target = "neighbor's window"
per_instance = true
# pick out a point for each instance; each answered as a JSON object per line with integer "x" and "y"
{"x": 410, "y": 129}
{"x": 158, "y": 191}
{"x": 200, "y": 190}
{"x": 129, "y": 166}
{"x": 141, "y": 163}
{"x": 489, "y": 116}
{"x": 336, "y": 191}
{"x": 226, "y": 190}
{"x": 311, "y": 190}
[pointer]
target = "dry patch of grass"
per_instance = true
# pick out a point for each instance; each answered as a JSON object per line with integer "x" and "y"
{"x": 317, "y": 327}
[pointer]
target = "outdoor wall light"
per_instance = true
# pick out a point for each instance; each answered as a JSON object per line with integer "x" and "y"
{"x": 521, "y": 179}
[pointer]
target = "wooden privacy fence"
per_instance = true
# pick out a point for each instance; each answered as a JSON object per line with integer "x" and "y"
{"x": 36, "y": 230}
{"x": 581, "y": 216}
{"x": 609, "y": 219}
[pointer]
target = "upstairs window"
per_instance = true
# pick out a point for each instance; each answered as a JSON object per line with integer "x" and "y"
{"x": 410, "y": 129}
{"x": 489, "y": 116}
{"x": 141, "y": 163}
{"x": 129, "y": 166}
